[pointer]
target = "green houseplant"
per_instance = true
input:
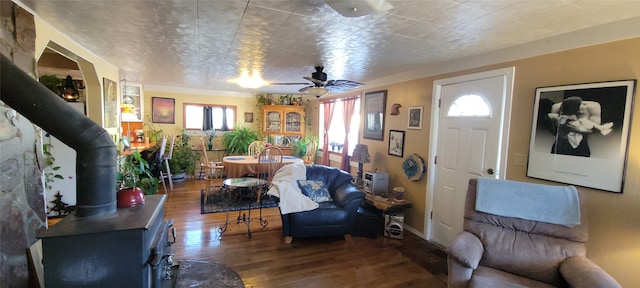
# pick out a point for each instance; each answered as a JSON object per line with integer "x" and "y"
{"x": 299, "y": 146}
{"x": 155, "y": 134}
{"x": 236, "y": 142}
{"x": 52, "y": 82}
{"x": 135, "y": 165}
{"x": 183, "y": 159}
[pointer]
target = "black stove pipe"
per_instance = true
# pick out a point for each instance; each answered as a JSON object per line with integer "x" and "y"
{"x": 96, "y": 152}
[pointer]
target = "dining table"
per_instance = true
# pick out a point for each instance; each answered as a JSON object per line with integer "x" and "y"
{"x": 238, "y": 166}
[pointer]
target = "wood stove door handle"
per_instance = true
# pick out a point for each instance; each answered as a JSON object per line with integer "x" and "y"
{"x": 154, "y": 260}
{"x": 173, "y": 235}
{"x": 173, "y": 230}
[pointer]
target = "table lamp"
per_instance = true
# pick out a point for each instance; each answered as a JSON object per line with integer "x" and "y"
{"x": 360, "y": 155}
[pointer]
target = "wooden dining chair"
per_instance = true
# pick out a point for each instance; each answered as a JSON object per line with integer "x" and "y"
{"x": 255, "y": 147}
{"x": 269, "y": 161}
{"x": 214, "y": 172}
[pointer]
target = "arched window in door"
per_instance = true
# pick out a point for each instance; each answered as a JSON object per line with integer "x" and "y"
{"x": 469, "y": 106}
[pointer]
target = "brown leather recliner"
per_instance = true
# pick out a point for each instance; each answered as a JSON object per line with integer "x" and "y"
{"x": 497, "y": 251}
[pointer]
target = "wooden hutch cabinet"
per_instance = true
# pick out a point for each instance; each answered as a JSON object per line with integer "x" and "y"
{"x": 287, "y": 120}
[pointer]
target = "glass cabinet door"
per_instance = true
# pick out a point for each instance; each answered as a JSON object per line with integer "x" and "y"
{"x": 293, "y": 122}
{"x": 131, "y": 107}
{"x": 272, "y": 121}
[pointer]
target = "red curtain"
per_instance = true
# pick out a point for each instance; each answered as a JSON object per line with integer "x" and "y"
{"x": 347, "y": 113}
{"x": 328, "y": 115}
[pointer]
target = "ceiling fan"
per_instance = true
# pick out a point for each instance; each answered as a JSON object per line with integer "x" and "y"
{"x": 320, "y": 86}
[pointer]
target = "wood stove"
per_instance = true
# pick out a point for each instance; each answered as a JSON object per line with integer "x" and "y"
{"x": 99, "y": 245}
{"x": 128, "y": 249}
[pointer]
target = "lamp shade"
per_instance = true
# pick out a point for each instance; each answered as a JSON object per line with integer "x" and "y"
{"x": 361, "y": 154}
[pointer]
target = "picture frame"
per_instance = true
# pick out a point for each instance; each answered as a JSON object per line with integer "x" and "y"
{"x": 567, "y": 143}
{"x": 248, "y": 117}
{"x": 163, "y": 110}
{"x": 375, "y": 108}
{"x": 109, "y": 103}
{"x": 396, "y": 143}
{"x": 415, "y": 118}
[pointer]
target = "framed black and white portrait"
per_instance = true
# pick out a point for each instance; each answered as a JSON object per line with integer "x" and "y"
{"x": 415, "y": 118}
{"x": 580, "y": 132}
{"x": 396, "y": 143}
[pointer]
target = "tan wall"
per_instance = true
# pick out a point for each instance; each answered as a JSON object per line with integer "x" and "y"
{"x": 243, "y": 104}
{"x": 89, "y": 62}
{"x": 614, "y": 218}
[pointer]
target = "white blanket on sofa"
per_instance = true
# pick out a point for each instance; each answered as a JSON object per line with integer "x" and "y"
{"x": 285, "y": 186}
{"x": 530, "y": 201}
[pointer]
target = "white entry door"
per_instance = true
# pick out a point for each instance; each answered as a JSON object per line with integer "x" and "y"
{"x": 470, "y": 141}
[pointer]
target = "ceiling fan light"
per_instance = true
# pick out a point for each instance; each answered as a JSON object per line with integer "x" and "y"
{"x": 318, "y": 91}
{"x": 357, "y": 8}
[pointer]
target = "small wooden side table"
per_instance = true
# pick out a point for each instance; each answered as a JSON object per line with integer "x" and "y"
{"x": 387, "y": 205}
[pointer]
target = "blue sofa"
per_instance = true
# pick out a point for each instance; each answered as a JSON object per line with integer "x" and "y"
{"x": 334, "y": 218}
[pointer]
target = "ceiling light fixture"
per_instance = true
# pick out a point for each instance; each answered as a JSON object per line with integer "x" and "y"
{"x": 318, "y": 91}
{"x": 357, "y": 8}
{"x": 255, "y": 81}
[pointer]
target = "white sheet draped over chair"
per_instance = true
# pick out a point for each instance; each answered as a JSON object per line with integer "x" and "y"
{"x": 166, "y": 155}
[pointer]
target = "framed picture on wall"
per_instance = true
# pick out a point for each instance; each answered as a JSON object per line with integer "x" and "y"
{"x": 396, "y": 143}
{"x": 374, "y": 109}
{"x": 580, "y": 132}
{"x": 415, "y": 118}
{"x": 248, "y": 117}
{"x": 163, "y": 110}
{"x": 110, "y": 102}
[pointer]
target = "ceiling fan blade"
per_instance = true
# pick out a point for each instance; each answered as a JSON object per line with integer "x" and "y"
{"x": 339, "y": 89}
{"x": 346, "y": 83}
{"x": 314, "y": 80}
{"x": 289, "y": 83}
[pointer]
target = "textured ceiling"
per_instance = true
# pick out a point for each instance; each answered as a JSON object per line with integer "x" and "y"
{"x": 205, "y": 43}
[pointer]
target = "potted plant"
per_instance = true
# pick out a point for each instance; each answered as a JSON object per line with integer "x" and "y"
{"x": 299, "y": 146}
{"x": 236, "y": 142}
{"x": 154, "y": 133}
{"x": 136, "y": 166}
{"x": 210, "y": 134}
{"x": 52, "y": 82}
{"x": 183, "y": 159}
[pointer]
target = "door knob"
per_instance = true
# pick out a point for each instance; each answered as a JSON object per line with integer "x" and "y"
{"x": 490, "y": 171}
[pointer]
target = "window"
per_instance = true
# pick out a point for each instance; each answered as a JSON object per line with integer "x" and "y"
{"x": 469, "y": 106}
{"x": 193, "y": 116}
{"x": 337, "y": 131}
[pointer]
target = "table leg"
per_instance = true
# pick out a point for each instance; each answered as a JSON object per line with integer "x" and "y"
{"x": 249, "y": 222}
{"x": 263, "y": 222}
{"x": 223, "y": 227}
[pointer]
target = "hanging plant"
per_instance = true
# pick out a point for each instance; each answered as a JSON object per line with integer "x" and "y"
{"x": 237, "y": 142}
{"x": 49, "y": 165}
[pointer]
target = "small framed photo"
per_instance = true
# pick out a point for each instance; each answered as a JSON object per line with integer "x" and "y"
{"x": 396, "y": 143}
{"x": 163, "y": 110}
{"x": 415, "y": 118}
{"x": 580, "y": 132}
{"x": 248, "y": 117}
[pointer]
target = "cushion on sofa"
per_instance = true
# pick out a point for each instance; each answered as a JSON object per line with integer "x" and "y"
{"x": 316, "y": 190}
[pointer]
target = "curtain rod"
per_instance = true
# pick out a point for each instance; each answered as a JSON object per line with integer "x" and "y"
{"x": 341, "y": 99}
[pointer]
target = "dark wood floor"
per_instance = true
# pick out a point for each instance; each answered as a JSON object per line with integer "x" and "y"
{"x": 265, "y": 261}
